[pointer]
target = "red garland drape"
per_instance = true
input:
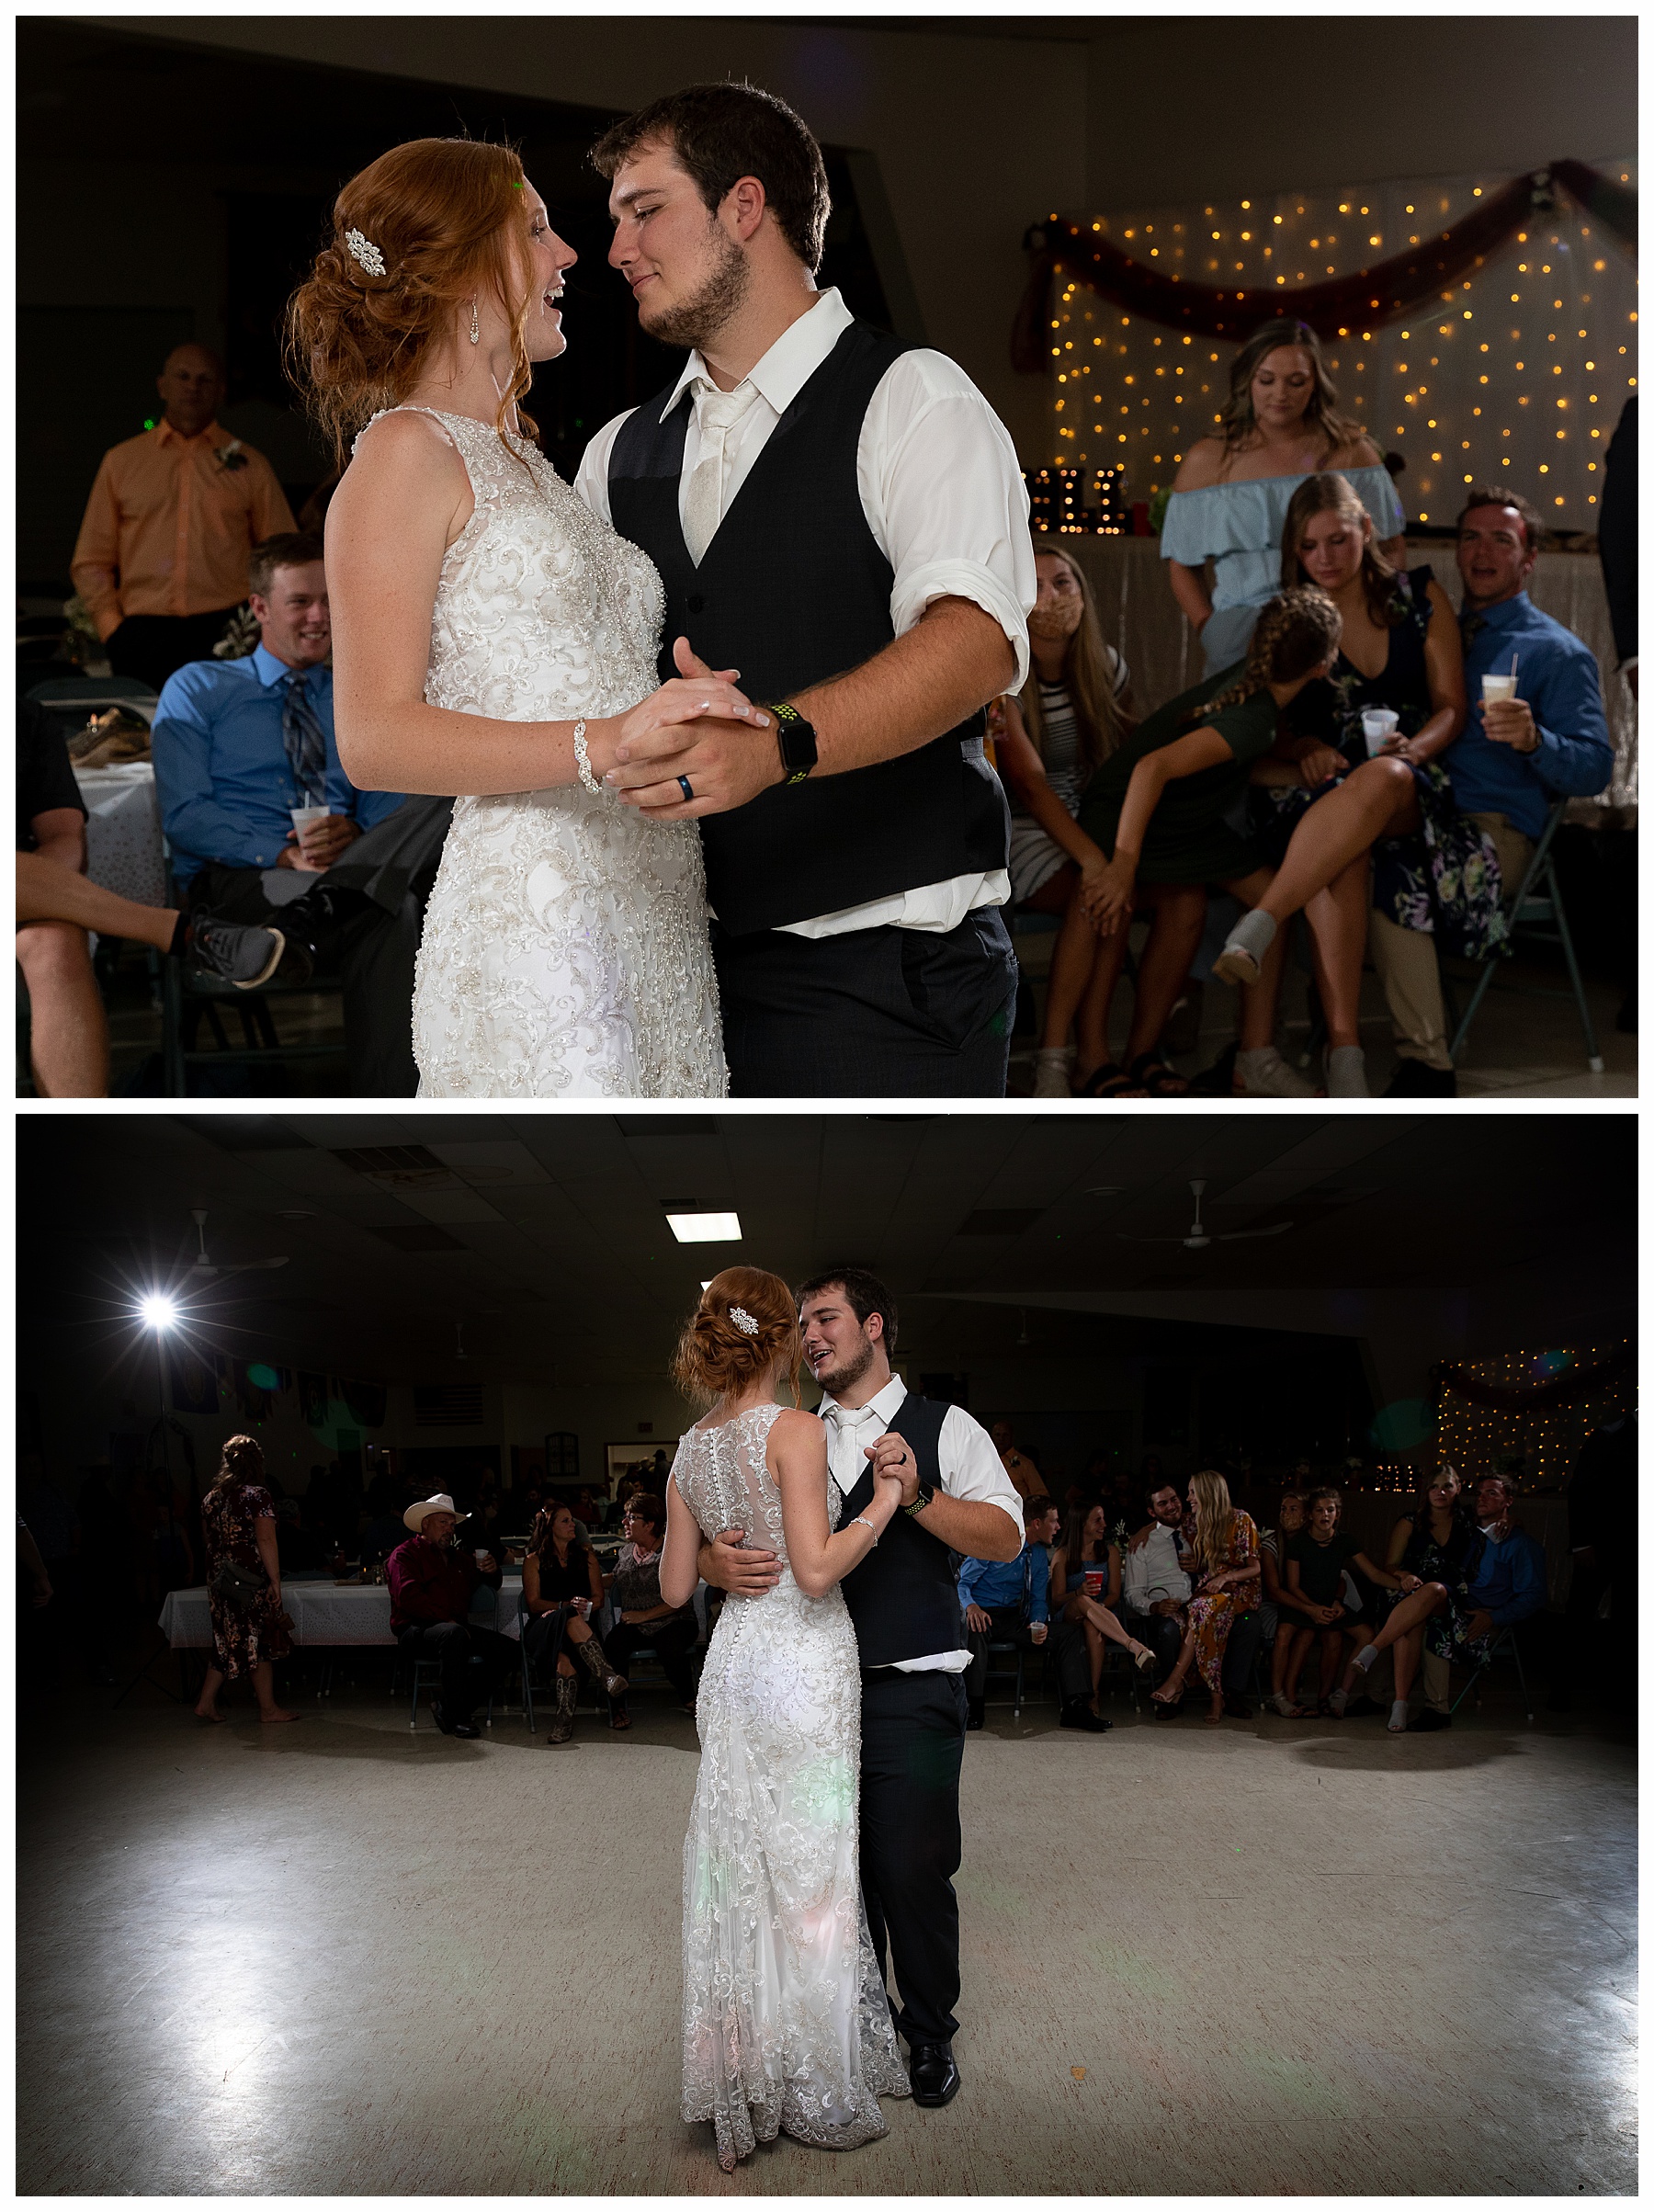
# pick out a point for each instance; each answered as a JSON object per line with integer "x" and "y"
{"x": 1562, "y": 1390}
{"x": 1377, "y": 295}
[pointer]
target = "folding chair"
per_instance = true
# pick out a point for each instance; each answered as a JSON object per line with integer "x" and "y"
{"x": 1538, "y": 909}
{"x": 1503, "y": 1645}
{"x": 1021, "y": 1651}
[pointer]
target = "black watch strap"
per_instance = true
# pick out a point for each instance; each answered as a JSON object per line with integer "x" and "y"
{"x": 796, "y": 739}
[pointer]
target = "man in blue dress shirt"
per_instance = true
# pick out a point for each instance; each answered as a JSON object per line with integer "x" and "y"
{"x": 1517, "y": 757}
{"x": 238, "y": 746}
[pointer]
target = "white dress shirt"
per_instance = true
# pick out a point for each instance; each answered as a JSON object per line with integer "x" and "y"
{"x": 943, "y": 498}
{"x": 1154, "y": 1571}
{"x": 968, "y": 1468}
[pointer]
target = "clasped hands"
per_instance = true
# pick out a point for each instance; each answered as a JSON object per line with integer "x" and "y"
{"x": 744, "y": 1574}
{"x": 697, "y": 727}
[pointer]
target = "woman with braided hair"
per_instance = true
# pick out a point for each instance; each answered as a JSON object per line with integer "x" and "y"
{"x": 1164, "y": 806}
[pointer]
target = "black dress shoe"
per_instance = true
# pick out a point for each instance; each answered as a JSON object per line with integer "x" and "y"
{"x": 932, "y": 2072}
{"x": 1418, "y": 1079}
{"x": 463, "y": 1728}
{"x": 1078, "y": 1714}
{"x": 1426, "y": 1722}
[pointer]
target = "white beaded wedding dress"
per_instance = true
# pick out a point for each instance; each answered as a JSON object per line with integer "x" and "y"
{"x": 565, "y": 952}
{"x": 786, "y": 2022}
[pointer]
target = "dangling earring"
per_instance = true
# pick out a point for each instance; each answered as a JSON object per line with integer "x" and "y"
{"x": 475, "y": 333}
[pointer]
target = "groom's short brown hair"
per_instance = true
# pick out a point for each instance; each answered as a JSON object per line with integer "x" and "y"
{"x": 720, "y": 133}
{"x": 864, "y": 1294}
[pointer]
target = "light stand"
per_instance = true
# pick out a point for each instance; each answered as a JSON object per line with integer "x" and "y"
{"x": 158, "y": 1312}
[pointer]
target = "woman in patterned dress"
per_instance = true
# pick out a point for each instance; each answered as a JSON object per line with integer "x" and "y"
{"x": 244, "y": 1583}
{"x": 493, "y": 639}
{"x": 1227, "y": 1562}
{"x": 786, "y": 2020}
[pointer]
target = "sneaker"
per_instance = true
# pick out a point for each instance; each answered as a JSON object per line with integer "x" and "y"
{"x": 231, "y": 952}
{"x": 1264, "y": 1074}
{"x": 1427, "y": 1722}
{"x": 1418, "y": 1079}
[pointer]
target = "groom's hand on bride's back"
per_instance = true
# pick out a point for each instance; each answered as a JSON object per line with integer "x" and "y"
{"x": 700, "y": 730}
{"x": 727, "y": 1566}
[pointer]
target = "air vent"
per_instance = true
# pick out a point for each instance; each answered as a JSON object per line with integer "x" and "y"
{"x": 390, "y": 1160}
{"x": 421, "y": 1238}
{"x": 448, "y": 1406}
{"x": 1000, "y": 1220}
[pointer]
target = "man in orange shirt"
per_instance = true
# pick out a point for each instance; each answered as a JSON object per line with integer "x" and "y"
{"x": 162, "y": 556}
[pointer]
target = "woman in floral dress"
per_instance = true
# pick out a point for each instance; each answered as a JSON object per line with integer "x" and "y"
{"x": 1225, "y": 1552}
{"x": 244, "y": 1582}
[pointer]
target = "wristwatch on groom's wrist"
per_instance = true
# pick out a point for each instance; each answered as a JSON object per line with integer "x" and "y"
{"x": 796, "y": 739}
{"x": 927, "y": 1496}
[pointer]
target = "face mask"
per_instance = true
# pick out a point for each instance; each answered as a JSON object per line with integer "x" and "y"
{"x": 1056, "y": 618}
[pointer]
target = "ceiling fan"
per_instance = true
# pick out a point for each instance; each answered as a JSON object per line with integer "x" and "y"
{"x": 202, "y": 1270}
{"x": 1199, "y": 1238}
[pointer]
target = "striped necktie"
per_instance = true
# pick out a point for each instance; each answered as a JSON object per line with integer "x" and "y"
{"x": 304, "y": 739}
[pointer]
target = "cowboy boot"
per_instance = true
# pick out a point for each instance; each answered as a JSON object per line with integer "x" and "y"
{"x": 562, "y": 1726}
{"x": 593, "y": 1655}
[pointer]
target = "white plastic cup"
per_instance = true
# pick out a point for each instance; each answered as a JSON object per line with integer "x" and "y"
{"x": 1377, "y": 724}
{"x": 1498, "y": 688}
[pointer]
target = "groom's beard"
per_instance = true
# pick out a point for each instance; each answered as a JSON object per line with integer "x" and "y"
{"x": 694, "y": 323}
{"x": 845, "y": 1378}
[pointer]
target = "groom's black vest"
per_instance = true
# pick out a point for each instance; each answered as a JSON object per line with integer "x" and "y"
{"x": 903, "y": 1597}
{"x": 793, "y": 589}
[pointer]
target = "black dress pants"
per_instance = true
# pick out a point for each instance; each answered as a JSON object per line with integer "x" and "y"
{"x": 1005, "y": 1625}
{"x": 912, "y": 1745}
{"x": 878, "y": 1014}
{"x": 671, "y": 1641}
{"x": 474, "y": 1661}
{"x": 372, "y": 951}
{"x": 1240, "y": 1654}
{"x": 152, "y": 647}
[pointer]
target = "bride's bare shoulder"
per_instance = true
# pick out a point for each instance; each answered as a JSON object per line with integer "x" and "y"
{"x": 405, "y": 438}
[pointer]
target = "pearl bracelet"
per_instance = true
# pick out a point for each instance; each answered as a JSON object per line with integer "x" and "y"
{"x": 868, "y": 1525}
{"x": 583, "y": 762}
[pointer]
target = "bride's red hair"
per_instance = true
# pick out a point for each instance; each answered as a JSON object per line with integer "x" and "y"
{"x": 446, "y": 217}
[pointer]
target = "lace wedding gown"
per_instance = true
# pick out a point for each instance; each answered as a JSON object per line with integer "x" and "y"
{"x": 786, "y": 2022}
{"x": 565, "y": 950}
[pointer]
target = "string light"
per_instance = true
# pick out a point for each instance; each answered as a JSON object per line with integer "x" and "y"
{"x": 1477, "y": 1438}
{"x": 1115, "y": 404}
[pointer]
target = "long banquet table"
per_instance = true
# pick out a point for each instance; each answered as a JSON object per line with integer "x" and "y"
{"x": 324, "y": 1614}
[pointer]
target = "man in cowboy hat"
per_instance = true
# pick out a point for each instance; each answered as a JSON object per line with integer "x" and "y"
{"x": 431, "y": 1584}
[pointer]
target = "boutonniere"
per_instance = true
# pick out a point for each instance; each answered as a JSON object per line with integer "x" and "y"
{"x": 232, "y": 456}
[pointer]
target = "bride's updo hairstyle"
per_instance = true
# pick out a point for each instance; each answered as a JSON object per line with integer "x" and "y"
{"x": 434, "y": 221}
{"x": 747, "y": 1319}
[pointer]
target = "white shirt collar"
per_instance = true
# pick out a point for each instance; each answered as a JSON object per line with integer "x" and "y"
{"x": 882, "y": 1408}
{"x": 790, "y": 362}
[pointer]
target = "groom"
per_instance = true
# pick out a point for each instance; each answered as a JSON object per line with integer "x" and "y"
{"x": 957, "y": 1497}
{"x": 842, "y": 521}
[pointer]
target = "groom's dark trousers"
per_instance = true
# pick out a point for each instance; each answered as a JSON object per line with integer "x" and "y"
{"x": 877, "y": 1013}
{"x": 912, "y": 1747}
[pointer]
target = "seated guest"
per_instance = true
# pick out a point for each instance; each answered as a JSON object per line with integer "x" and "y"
{"x": 1085, "y": 1588}
{"x": 249, "y": 1630}
{"x": 1164, "y": 805}
{"x": 238, "y": 746}
{"x": 1226, "y": 1566}
{"x": 432, "y": 1584}
{"x": 561, "y": 1582}
{"x": 1316, "y": 1560}
{"x": 642, "y": 1622}
{"x": 1154, "y": 1581}
{"x": 1501, "y": 1583}
{"x": 1007, "y": 1601}
{"x": 162, "y": 559}
{"x": 1282, "y": 1612}
{"x": 1518, "y": 756}
{"x": 1399, "y": 652}
{"x": 1433, "y": 1541}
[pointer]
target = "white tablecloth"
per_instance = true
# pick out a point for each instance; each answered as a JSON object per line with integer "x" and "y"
{"x": 123, "y": 830}
{"x": 322, "y": 1613}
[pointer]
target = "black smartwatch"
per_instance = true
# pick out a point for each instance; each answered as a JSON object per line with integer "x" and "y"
{"x": 927, "y": 1496}
{"x": 796, "y": 739}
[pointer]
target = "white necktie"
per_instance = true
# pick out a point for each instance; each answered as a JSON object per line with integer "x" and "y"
{"x": 715, "y": 414}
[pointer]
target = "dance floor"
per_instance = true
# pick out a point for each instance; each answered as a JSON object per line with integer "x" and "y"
{"x": 341, "y": 1959}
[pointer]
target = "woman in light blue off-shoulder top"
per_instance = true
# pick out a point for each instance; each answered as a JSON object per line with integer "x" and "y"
{"x": 1282, "y": 424}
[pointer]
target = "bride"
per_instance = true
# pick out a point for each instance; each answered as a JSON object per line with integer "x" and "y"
{"x": 786, "y": 2020}
{"x": 495, "y": 641}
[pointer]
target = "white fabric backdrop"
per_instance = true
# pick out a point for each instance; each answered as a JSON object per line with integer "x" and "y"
{"x": 1556, "y": 311}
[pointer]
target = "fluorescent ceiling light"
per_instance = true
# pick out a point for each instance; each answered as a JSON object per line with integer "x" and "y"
{"x": 706, "y": 1229}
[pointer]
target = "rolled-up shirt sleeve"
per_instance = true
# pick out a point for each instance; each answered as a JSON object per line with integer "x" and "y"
{"x": 971, "y": 1469}
{"x": 943, "y": 497}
